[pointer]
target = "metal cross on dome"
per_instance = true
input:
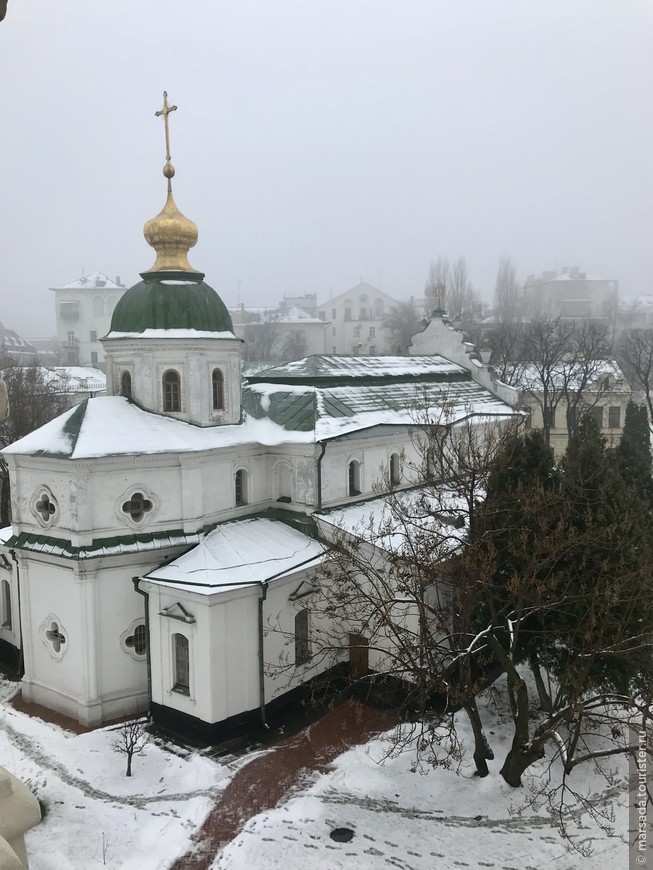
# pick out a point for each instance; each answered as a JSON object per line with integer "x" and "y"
{"x": 168, "y": 169}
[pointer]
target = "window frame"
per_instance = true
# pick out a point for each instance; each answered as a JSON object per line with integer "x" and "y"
{"x": 180, "y": 664}
{"x": 302, "y": 637}
{"x": 241, "y": 487}
{"x": 217, "y": 389}
{"x": 354, "y": 477}
{"x": 171, "y": 391}
{"x": 5, "y": 595}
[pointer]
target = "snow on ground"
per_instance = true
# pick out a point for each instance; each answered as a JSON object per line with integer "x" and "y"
{"x": 436, "y": 820}
{"x": 95, "y": 815}
{"x": 402, "y": 818}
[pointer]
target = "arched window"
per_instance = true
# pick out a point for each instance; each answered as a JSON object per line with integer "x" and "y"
{"x": 218, "y": 390}
{"x": 283, "y": 482}
{"x": 98, "y": 306}
{"x": 378, "y": 309}
{"x": 126, "y": 385}
{"x": 354, "y": 477}
{"x": 6, "y": 604}
{"x": 171, "y": 391}
{"x": 181, "y": 664}
{"x": 241, "y": 487}
{"x": 302, "y": 639}
{"x": 395, "y": 470}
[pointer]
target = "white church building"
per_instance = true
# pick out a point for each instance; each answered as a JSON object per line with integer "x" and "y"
{"x": 159, "y": 530}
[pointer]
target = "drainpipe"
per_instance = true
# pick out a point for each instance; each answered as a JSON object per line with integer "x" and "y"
{"x": 21, "y": 654}
{"x": 319, "y": 474}
{"x": 261, "y": 670}
{"x": 148, "y": 660}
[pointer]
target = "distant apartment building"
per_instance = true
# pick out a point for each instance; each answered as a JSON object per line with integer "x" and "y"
{"x": 356, "y": 321}
{"x": 571, "y": 295}
{"x": 83, "y": 315}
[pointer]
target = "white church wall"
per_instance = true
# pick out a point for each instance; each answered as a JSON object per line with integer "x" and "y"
{"x": 147, "y": 360}
{"x": 9, "y": 611}
{"x": 373, "y": 453}
{"x": 51, "y": 605}
{"x": 224, "y": 648}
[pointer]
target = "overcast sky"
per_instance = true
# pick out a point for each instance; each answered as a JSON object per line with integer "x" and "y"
{"x": 318, "y": 142}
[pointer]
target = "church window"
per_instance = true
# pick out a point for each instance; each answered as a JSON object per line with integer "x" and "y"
{"x": 354, "y": 477}
{"x": 126, "y": 385}
{"x": 56, "y": 638}
{"x": 181, "y": 665}
{"x": 46, "y": 507}
{"x": 171, "y": 391}
{"x": 93, "y": 335}
{"x": 98, "y": 306}
{"x": 137, "y": 506}
{"x": 94, "y": 359}
{"x": 347, "y": 310}
{"x": 283, "y": 480}
{"x": 378, "y": 309}
{"x": 363, "y": 313}
{"x": 372, "y": 349}
{"x": 241, "y": 486}
{"x": 302, "y": 639}
{"x": 6, "y": 604}
{"x": 395, "y": 470}
{"x": 138, "y": 640}
{"x": 549, "y": 417}
{"x": 218, "y": 390}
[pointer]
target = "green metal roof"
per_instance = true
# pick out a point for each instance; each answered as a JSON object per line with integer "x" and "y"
{"x": 325, "y": 370}
{"x": 171, "y": 300}
{"x": 113, "y": 546}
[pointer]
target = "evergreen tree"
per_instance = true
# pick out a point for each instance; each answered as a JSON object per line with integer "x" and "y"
{"x": 633, "y": 454}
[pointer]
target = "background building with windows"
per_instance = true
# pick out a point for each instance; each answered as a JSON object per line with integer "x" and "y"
{"x": 83, "y": 311}
{"x": 356, "y": 321}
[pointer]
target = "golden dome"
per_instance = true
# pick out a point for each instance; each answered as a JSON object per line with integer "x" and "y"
{"x": 171, "y": 234}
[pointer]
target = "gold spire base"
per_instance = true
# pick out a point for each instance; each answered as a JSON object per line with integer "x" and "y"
{"x": 171, "y": 234}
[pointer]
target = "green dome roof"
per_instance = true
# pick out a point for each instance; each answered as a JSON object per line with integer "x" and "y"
{"x": 171, "y": 300}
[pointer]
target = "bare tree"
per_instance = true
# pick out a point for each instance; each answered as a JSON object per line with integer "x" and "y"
{"x": 132, "y": 739}
{"x": 437, "y": 282}
{"x": 461, "y": 298}
{"x": 403, "y": 321}
{"x": 507, "y": 294}
{"x": 260, "y": 339}
{"x": 294, "y": 347}
{"x": 636, "y": 350}
{"x": 35, "y": 397}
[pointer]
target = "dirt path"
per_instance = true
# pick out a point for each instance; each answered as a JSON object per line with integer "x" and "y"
{"x": 269, "y": 778}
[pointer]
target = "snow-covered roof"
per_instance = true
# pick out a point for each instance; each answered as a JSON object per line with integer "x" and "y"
{"x": 78, "y": 379}
{"x": 114, "y": 426}
{"x": 240, "y": 553}
{"x": 171, "y": 333}
{"x": 321, "y": 366}
{"x": 347, "y": 395}
{"x": 439, "y": 516}
{"x": 573, "y": 375}
{"x": 567, "y": 276}
{"x": 94, "y": 281}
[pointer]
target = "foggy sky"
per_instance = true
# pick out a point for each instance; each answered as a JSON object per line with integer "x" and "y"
{"x": 321, "y": 141}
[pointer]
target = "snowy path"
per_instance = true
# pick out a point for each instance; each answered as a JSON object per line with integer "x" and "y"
{"x": 46, "y": 762}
